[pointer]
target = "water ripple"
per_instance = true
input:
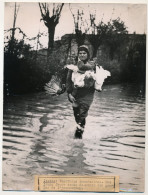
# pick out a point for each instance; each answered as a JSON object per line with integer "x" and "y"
{"x": 38, "y": 138}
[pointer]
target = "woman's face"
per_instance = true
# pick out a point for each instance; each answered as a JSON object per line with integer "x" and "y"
{"x": 83, "y": 55}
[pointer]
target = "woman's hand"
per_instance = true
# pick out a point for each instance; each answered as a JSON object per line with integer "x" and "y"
{"x": 71, "y": 98}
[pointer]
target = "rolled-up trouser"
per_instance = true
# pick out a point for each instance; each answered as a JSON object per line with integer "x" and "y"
{"x": 80, "y": 114}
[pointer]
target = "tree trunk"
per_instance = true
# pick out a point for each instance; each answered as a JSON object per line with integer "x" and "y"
{"x": 11, "y": 44}
{"x": 95, "y": 52}
{"x": 14, "y": 22}
{"x": 51, "y": 32}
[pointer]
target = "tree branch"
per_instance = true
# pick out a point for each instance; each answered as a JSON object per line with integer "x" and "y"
{"x": 41, "y": 10}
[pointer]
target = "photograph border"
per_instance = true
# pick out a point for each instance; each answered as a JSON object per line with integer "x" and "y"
{"x": 1, "y": 93}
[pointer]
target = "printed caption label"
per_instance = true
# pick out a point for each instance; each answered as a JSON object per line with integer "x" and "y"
{"x": 77, "y": 183}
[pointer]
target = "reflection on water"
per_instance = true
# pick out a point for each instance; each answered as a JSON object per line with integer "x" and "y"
{"x": 38, "y": 138}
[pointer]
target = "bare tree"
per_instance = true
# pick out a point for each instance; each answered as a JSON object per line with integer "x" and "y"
{"x": 79, "y": 23}
{"x": 50, "y": 21}
{"x": 11, "y": 45}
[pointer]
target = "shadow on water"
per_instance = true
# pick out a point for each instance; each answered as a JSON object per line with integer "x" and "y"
{"x": 38, "y": 138}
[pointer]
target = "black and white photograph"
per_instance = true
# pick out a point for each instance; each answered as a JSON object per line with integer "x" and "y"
{"x": 74, "y": 92}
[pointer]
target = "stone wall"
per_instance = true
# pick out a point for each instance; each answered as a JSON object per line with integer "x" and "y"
{"x": 119, "y": 59}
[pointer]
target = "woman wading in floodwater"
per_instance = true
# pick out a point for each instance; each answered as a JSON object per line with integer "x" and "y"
{"x": 82, "y": 81}
{"x": 81, "y": 88}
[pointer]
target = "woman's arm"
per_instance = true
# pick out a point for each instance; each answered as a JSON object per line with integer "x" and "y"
{"x": 69, "y": 86}
{"x": 69, "y": 83}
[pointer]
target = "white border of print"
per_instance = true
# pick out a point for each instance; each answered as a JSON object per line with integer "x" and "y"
{"x": 1, "y": 93}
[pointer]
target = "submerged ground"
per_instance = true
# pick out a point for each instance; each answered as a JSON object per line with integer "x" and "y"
{"x": 38, "y": 138}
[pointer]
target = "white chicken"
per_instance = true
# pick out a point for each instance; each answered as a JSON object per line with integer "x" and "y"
{"x": 100, "y": 76}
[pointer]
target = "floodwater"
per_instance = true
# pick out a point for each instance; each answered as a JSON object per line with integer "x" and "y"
{"x": 38, "y": 138}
